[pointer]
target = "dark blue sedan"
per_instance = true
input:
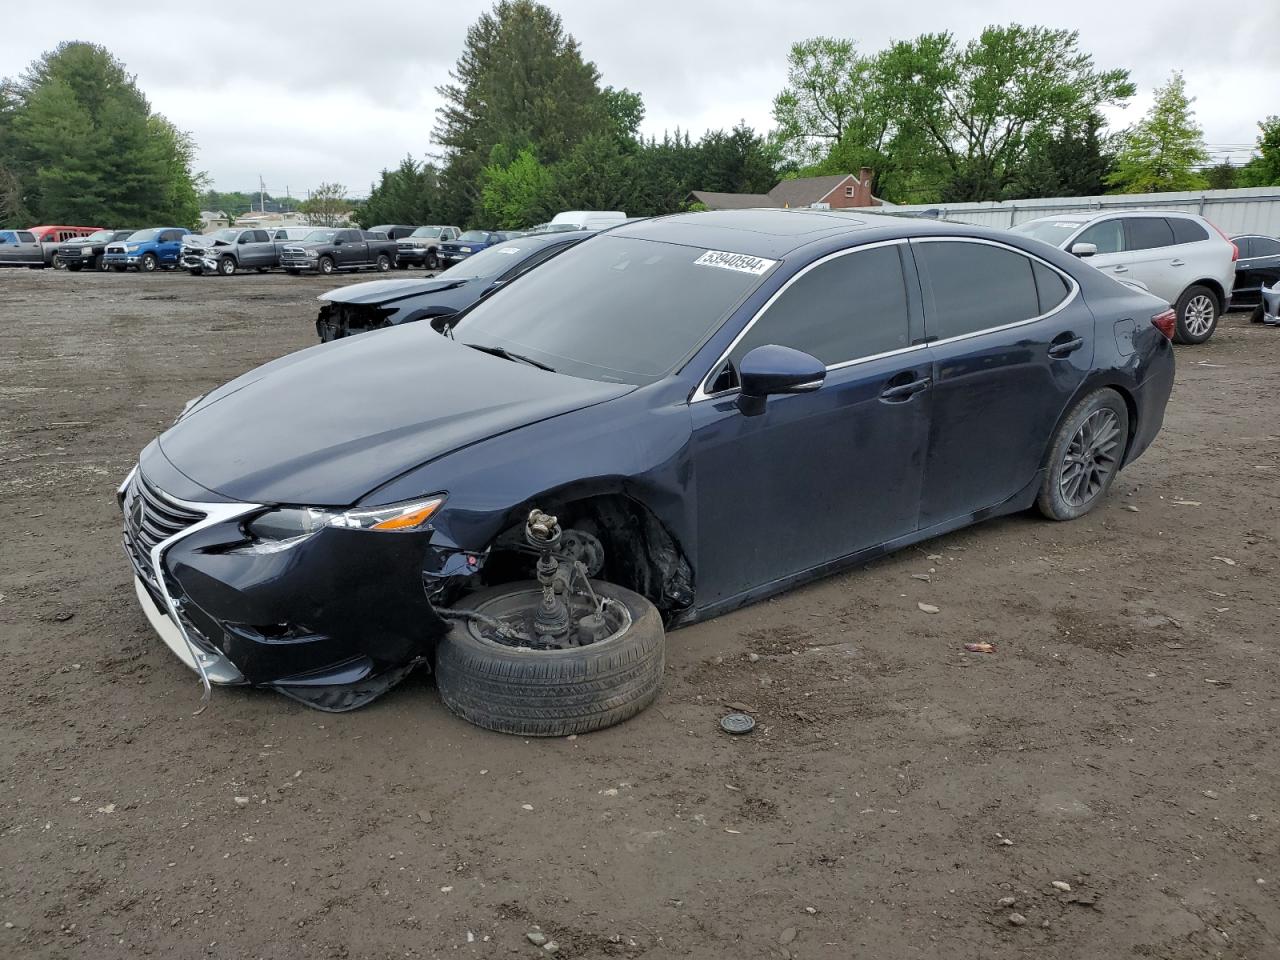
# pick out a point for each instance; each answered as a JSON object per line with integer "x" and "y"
{"x": 668, "y": 421}
{"x": 472, "y": 242}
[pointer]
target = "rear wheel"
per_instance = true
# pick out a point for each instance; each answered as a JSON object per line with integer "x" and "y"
{"x": 497, "y": 684}
{"x": 1197, "y": 311}
{"x": 1085, "y": 456}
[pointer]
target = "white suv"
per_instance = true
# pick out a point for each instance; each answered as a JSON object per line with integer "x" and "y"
{"x": 1180, "y": 257}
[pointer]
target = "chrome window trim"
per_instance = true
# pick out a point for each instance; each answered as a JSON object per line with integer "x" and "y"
{"x": 701, "y": 393}
{"x": 1062, "y": 305}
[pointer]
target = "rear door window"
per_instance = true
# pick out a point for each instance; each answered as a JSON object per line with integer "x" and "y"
{"x": 1263, "y": 247}
{"x": 1147, "y": 233}
{"x": 1107, "y": 236}
{"x": 1187, "y": 231}
{"x": 970, "y": 287}
{"x": 849, "y": 307}
{"x": 25, "y": 236}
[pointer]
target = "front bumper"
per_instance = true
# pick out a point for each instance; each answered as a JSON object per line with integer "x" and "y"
{"x": 328, "y": 619}
{"x": 192, "y": 260}
{"x": 299, "y": 263}
{"x": 414, "y": 256}
{"x": 1271, "y": 305}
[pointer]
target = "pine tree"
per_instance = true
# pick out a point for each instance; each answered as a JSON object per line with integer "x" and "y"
{"x": 1165, "y": 149}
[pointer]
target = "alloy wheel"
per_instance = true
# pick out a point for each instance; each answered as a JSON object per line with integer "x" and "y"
{"x": 1090, "y": 458}
{"x": 1198, "y": 317}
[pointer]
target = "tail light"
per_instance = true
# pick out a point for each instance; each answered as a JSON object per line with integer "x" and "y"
{"x": 1165, "y": 322}
{"x": 1235, "y": 251}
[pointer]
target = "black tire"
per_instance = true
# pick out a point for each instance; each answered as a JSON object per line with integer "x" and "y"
{"x": 553, "y": 693}
{"x": 1053, "y": 501}
{"x": 100, "y": 264}
{"x": 432, "y": 261}
{"x": 226, "y": 266}
{"x": 291, "y": 272}
{"x": 383, "y": 263}
{"x": 326, "y": 265}
{"x": 1191, "y": 307}
{"x": 149, "y": 263}
{"x": 75, "y": 267}
{"x": 1256, "y": 315}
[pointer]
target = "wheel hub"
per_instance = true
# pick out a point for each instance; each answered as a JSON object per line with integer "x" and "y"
{"x": 1090, "y": 458}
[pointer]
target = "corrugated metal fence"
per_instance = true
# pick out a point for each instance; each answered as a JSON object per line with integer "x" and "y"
{"x": 1246, "y": 210}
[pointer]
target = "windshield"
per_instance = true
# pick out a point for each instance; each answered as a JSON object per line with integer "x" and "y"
{"x": 490, "y": 262}
{"x": 320, "y": 236}
{"x": 99, "y": 235}
{"x": 614, "y": 308}
{"x": 1051, "y": 231}
{"x": 142, "y": 236}
{"x": 473, "y": 236}
{"x": 228, "y": 236}
{"x": 426, "y": 232}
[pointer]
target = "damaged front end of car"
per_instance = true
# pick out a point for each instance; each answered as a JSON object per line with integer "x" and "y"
{"x": 338, "y": 320}
{"x": 200, "y": 253}
{"x": 328, "y": 607}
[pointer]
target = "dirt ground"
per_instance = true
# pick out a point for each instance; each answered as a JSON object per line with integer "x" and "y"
{"x": 1121, "y": 739}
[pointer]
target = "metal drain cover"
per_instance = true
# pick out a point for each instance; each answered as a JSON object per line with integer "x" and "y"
{"x": 736, "y": 723}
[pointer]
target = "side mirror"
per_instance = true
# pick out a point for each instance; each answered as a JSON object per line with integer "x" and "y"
{"x": 773, "y": 369}
{"x": 1084, "y": 249}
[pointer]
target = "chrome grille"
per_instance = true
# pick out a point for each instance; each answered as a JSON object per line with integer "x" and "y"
{"x": 150, "y": 518}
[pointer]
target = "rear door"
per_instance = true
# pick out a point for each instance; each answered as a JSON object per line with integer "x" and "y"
{"x": 169, "y": 246}
{"x": 1150, "y": 257}
{"x": 1010, "y": 342}
{"x": 1258, "y": 266}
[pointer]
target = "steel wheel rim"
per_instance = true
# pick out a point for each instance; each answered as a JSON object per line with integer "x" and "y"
{"x": 1090, "y": 459}
{"x": 1199, "y": 315}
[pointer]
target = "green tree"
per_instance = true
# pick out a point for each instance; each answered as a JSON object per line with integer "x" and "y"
{"x": 1264, "y": 169}
{"x": 522, "y": 82}
{"x": 832, "y": 101}
{"x": 1071, "y": 162}
{"x": 1164, "y": 150}
{"x": 1222, "y": 176}
{"x": 408, "y": 194}
{"x": 327, "y": 205}
{"x": 974, "y": 112}
{"x": 85, "y": 146}
{"x": 515, "y": 192}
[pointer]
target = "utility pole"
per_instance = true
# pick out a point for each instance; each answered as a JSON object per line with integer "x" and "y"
{"x": 262, "y": 195}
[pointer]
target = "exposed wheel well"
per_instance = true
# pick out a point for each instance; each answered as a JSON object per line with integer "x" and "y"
{"x": 640, "y": 553}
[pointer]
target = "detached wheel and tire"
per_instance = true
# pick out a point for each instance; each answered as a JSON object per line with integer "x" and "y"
{"x": 226, "y": 266}
{"x": 1085, "y": 456}
{"x": 325, "y": 265}
{"x": 551, "y": 692}
{"x": 1197, "y": 311}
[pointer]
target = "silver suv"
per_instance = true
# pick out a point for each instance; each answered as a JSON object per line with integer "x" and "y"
{"x": 1180, "y": 257}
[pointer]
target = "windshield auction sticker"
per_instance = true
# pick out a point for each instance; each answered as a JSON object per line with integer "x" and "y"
{"x": 734, "y": 261}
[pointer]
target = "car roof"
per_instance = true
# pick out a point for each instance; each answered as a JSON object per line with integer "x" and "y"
{"x": 1089, "y": 216}
{"x": 774, "y": 233}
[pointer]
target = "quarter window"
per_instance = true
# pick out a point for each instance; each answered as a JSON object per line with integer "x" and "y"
{"x": 975, "y": 286}
{"x": 1187, "y": 231}
{"x": 1050, "y": 287}
{"x": 850, "y": 307}
{"x": 26, "y": 237}
{"x": 1107, "y": 236}
{"x": 1147, "y": 233}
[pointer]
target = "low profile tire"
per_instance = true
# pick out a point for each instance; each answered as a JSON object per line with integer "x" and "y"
{"x": 226, "y": 266}
{"x": 552, "y": 693}
{"x": 325, "y": 265}
{"x": 1256, "y": 316}
{"x": 1197, "y": 311}
{"x": 1085, "y": 456}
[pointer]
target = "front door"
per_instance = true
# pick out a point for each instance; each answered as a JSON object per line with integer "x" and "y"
{"x": 818, "y": 476}
{"x": 1011, "y": 341}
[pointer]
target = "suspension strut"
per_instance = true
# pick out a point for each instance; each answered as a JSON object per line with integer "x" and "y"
{"x": 542, "y": 533}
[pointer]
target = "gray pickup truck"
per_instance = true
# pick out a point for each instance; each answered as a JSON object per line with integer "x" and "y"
{"x": 329, "y": 249}
{"x": 234, "y": 248}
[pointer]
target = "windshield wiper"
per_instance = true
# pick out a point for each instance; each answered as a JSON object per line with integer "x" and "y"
{"x": 506, "y": 354}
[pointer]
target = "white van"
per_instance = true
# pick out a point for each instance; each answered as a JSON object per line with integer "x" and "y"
{"x": 586, "y": 220}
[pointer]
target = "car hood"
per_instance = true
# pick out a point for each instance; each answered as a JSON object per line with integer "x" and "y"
{"x": 327, "y": 425}
{"x": 384, "y": 291}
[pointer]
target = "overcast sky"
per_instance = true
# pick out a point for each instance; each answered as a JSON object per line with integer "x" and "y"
{"x": 303, "y": 93}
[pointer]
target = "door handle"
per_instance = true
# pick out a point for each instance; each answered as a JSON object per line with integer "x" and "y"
{"x": 1177, "y": 262}
{"x": 1120, "y": 269}
{"x": 905, "y": 391}
{"x": 1067, "y": 347}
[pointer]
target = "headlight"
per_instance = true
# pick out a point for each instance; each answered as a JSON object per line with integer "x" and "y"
{"x": 464, "y": 249}
{"x": 134, "y": 247}
{"x": 281, "y": 529}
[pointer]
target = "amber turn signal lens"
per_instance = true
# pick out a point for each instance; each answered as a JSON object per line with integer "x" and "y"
{"x": 414, "y": 516}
